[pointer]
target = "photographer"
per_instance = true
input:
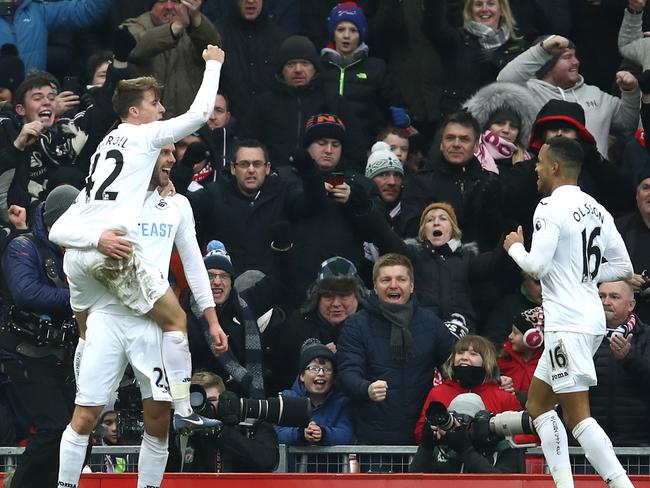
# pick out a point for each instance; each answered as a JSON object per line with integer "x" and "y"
{"x": 232, "y": 449}
{"x": 455, "y": 447}
{"x": 38, "y": 333}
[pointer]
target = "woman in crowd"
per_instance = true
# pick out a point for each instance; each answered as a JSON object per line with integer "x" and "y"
{"x": 474, "y": 54}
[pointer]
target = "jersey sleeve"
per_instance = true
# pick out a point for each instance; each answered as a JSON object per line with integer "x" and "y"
{"x": 618, "y": 265}
{"x": 172, "y": 130}
{"x": 67, "y": 232}
{"x": 188, "y": 249}
{"x": 546, "y": 235}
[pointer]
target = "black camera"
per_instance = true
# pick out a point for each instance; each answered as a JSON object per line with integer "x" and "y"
{"x": 438, "y": 416}
{"x": 130, "y": 419}
{"x": 7, "y": 7}
{"x": 232, "y": 410}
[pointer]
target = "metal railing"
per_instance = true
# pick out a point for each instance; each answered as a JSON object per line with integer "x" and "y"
{"x": 336, "y": 459}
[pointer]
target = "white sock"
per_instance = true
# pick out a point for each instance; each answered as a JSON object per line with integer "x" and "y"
{"x": 152, "y": 461}
{"x": 555, "y": 446}
{"x": 178, "y": 366}
{"x": 72, "y": 453}
{"x": 600, "y": 453}
{"x": 78, "y": 353}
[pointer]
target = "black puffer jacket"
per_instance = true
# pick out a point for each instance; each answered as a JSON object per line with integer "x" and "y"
{"x": 621, "y": 400}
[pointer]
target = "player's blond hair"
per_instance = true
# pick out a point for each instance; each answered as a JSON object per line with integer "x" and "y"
{"x": 130, "y": 93}
{"x": 208, "y": 379}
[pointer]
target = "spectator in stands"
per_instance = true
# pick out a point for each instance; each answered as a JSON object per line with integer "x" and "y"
{"x": 33, "y": 272}
{"x": 336, "y": 294}
{"x": 331, "y": 418}
{"x": 193, "y": 152}
{"x": 109, "y": 463}
{"x": 247, "y": 447}
{"x": 28, "y": 23}
{"x": 635, "y": 230}
{"x": 505, "y": 113}
{"x": 397, "y": 139}
{"x": 386, "y": 354}
{"x": 170, "y": 40}
{"x": 528, "y": 294}
{"x": 240, "y": 208}
{"x": 254, "y": 38}
{"x": 363, "y": 81}
{"x": 459, "y": 450}
{"x": 473, "y": 55}
{"x": 520, "y": 353}
{"x": 472, "y": 367}
{"x": 621, "y": 399}
{"x": 221, "y": 133}
{"x": 549, "y": 69}
{"x": 457, "y": 178}
{"x": 238, "y": 315}
{"x": 12, "y": 72}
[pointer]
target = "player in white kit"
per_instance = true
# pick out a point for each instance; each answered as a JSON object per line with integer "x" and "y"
{"x": 575, "y": 246}
{"x": 115, "y": 336}
{"x": 110, "y": 207}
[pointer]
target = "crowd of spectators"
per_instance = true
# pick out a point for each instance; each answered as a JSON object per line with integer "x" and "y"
{"x": 358, "y": 173}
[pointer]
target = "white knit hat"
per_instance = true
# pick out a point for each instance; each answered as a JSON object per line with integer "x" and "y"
{"x": 382, "y": 159}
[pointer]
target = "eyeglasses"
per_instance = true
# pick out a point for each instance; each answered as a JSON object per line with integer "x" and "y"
{"x": 221, "y": 276}
{"x": 318, "y": 369}
{"x": 257, "y": 164}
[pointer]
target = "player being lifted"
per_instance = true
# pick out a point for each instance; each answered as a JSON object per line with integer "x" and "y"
{"x": 575, "y": 245}
{"x": 108, "y": 211}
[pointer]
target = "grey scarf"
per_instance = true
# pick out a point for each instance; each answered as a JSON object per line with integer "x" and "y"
{"x": 488, "y": 38}
{"x": 401, "y": 340}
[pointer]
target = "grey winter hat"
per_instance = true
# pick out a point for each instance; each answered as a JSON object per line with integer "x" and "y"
{"x": 382, "y": 159}
{"x": 467, "y": 404}
{"x": 57, "y": 202}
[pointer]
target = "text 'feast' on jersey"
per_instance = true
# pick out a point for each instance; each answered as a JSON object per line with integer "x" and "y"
{"x": 156, "y": 229}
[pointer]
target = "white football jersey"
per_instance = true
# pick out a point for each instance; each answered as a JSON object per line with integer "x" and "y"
{"x": 121, "y": 168}
{"x": 573, "y": 235}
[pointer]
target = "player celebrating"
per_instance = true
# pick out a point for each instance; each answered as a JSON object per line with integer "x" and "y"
{"x": 575, "y": 245}
{"x": 110, "y": 207}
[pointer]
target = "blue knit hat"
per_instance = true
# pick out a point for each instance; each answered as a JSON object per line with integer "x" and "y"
{"x": 348, "y": 12}
{"x": 217, "y": 258}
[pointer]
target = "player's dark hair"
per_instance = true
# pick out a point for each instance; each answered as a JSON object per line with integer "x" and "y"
{"x": 249, "y": 143}
{"x": 568, "y": 153}
{"x": 130, "y": 93}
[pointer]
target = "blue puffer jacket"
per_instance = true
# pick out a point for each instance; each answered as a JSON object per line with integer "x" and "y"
{"x": 26, "y": 278}
{"x": 363, "y": 356}
{"x": 334, "y": 417}
{"x": 35, "y": 18}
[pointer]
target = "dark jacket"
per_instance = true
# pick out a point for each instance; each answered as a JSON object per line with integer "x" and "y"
{"x": 364, "y": 356}
{"x": 468, "y": 66}
{"x": 251, "y": 47}
{"x": 334, "y": 417}
{"x": 26, "y": 277}
{"x": 243, "y": 223}
{"x": 472, "y": 191}
{"x": 621, "y": 400}
{"x": 366, "y": 86}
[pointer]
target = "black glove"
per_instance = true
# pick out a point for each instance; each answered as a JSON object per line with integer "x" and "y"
{"x": 457, "y": 440}
{"x": 281, "y": 235}
{"x": 457, "y": 325}
{"x": 359, "y": 200}
{"x": 195, "y": 153}
{"x": 123, "y": 44}
{"x": 301, "y": 160}
{"x": 427, "y": 439}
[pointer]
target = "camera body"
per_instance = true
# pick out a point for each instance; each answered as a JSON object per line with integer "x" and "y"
{"x": 130, "y": 419}
{"x": 7, "y": 7}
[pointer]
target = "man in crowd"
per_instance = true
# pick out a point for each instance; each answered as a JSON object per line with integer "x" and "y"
{"x": 386, "y": 355}
{"x": 170, "y": 39}
{"x": 620, "y": 402}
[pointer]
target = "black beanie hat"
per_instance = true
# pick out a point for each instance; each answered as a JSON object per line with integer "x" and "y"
{"x": 297, "y": 47}
{"x": 323, "y": 126}
{"x": 502, "y": 115}
{"x": 550, "y": 64}
{"x": 12, "y": 69}
{"x": 526, "y": 320}
{"x": 311, "y": 349}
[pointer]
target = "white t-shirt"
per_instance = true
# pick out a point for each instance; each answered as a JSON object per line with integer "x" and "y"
{"x": 121, "y": 168}
{"x": 572, "y": 235}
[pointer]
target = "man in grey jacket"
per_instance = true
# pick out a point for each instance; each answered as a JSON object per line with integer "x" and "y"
{"x": 550, "y": 70}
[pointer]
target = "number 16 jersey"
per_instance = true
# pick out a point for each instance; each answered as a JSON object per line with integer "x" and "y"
{"x": 572, "y": 233}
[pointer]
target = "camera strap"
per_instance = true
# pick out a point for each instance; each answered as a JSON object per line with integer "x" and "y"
{"x": 48, "y": 260}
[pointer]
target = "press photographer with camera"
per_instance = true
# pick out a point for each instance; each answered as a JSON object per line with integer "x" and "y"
{"x": 249, "y": 447}
{"x": 451, "y": 444}
{"x": 38, "y": 331}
